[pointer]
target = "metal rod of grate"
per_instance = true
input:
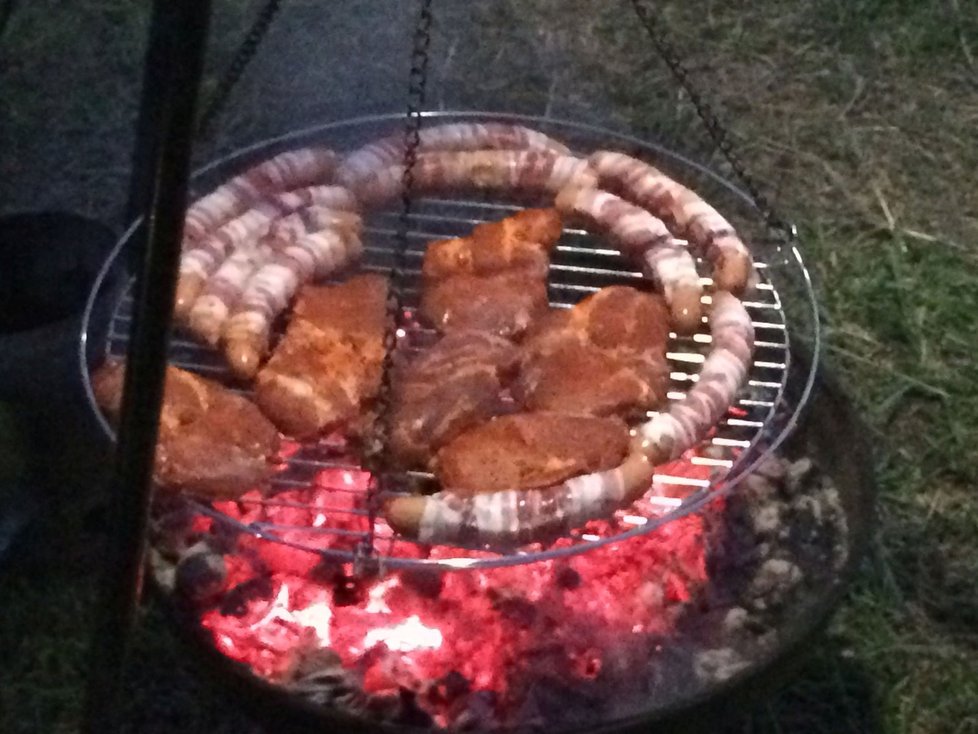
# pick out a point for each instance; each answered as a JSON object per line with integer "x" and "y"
{"x": 319, "y": 480}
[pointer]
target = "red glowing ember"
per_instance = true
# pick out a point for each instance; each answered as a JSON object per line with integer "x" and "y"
{"x": 411, "y": 628}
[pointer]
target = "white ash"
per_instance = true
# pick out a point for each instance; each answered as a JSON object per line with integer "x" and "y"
{"x": 719, "y": 665}
{"x": 783, "y": 536}
{"x": 774, "y": 582}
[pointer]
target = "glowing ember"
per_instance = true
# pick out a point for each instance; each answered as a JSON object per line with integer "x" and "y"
{"x": 494, "y": 629}
{"x": 409, "y": 635}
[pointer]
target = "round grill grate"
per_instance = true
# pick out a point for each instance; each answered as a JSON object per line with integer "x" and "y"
{"x": 321, "y": 482}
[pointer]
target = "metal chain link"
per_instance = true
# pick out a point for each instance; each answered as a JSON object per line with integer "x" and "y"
{"x": 242, "y": 57}
{"x": 714, "y": 128}
{"x": 374, "y": 449}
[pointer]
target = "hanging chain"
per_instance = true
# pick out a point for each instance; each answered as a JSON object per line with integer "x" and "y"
{"x": 714, "y": 128}
{"x": 374, "y": 449}
{"x": 242, "y": 57}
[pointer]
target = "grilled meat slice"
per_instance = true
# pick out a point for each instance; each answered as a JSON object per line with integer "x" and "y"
{"x": 494, "y": 279}
{"x": 212, "y": 442}
{"x": 454, "y": 385}
{"x": 606, "y": 355}
{"x": 529, "y": 450}
{"x": 325, "y": 372}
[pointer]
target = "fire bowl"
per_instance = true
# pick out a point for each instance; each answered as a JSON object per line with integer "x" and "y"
{"x": 674, "y": 629}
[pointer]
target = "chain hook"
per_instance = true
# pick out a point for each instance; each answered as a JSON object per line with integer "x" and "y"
{"x": 417, "y": 87}
{"x": 784, "y": 230}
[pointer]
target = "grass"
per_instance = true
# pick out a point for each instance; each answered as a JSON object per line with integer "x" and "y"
{"x": 858, "y": 115}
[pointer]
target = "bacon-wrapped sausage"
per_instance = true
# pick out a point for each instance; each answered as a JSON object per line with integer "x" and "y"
{"x": 199, "y": 262}
{"x": 666, "y": 436}
{"x": 210, "y": 311}
{"x": 646, "y": 238}
{"x": 512, "y": 518}
{"x": 290, "y": 170}
{"x": 693, "y": 218}
{"x": 373, "y": 158}
{"x": 525, "y": 171}
{"x": 327, "y": 241}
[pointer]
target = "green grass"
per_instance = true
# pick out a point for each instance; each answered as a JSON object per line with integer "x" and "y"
{"x": 859, "y": 116}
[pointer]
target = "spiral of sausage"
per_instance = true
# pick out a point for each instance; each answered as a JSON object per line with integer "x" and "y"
{"x": 645, "y": 238}
{"x": 290, "y": 170}
{"x": 200, "y": 261}
{"x": 526, "y": 171}
{"x": 373, "y": 158}
{"x": 694, "y": 219}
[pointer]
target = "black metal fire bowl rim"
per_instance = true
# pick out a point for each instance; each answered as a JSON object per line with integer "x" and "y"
{"x": 775, "y": 432}
{"x": 830, "y": 425}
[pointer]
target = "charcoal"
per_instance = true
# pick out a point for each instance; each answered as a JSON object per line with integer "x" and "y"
{"x": 567, "y": 578}
{"x": 235, "y": 601}
{"x": 201, "y": 573}
{"x": 425, "y": 582}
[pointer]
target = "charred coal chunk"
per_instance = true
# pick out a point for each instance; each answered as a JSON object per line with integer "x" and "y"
{"x": 449, "y": 688}
{"x": 201, "y": 573}
{"x": 475, "y": 712}
{"x": 235, "y": 601}
{"x": 513, "y": 605}
{"x": 566, "y": 577}
{"x": 427, "y": 583}
{"x": 319, "y": 676}
{"x": 348, "y": 590}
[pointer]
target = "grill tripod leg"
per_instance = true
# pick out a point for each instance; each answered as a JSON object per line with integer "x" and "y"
{"x": 161, "y": 167}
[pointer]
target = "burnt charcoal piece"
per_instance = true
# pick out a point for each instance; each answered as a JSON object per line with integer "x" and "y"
{"x": 201, "y": 573}
{"x": 449, "y": 688}
{"x": 567, "y": 578}
{"x": 235, "y": 601}
{"x": 475, "y": 712}
{"x": 426, "y": 583}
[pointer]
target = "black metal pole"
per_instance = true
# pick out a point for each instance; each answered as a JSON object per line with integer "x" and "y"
{"x": 171, "y": 82}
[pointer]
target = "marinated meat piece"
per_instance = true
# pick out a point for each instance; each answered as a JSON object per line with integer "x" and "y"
{"x": 583, "y": 379}
{"x": 529, "y": 450}
{"x": 604, "y": 356}
{"x": 449, "y": 388}
{"x": 520, "y": 242}
{"x": 495, "y": 278}
{"x": 326, "y": 370}
{"x": 212, "y": 442}
{"x": 503, "y": 304}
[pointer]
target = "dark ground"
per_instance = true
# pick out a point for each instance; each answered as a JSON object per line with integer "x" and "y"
{"x": 861, "y": 118}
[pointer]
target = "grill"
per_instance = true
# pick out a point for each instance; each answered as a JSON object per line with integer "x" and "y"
{"x": 336, "y": 616}
{"x": 581, "y": 265}
{"x": 734, "y": 556}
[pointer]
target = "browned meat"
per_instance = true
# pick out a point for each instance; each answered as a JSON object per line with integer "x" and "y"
{"x": 327, "y": 368}
{"x": 451, "y": 387}
{"x": 530, "y": 450}
{"x": 493, "y": 280}
{"x": 604, "y": 356}
{"x": 503, "y": 304}
{"x": 212, "y": 442}
{"x": 520, "y": 242}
